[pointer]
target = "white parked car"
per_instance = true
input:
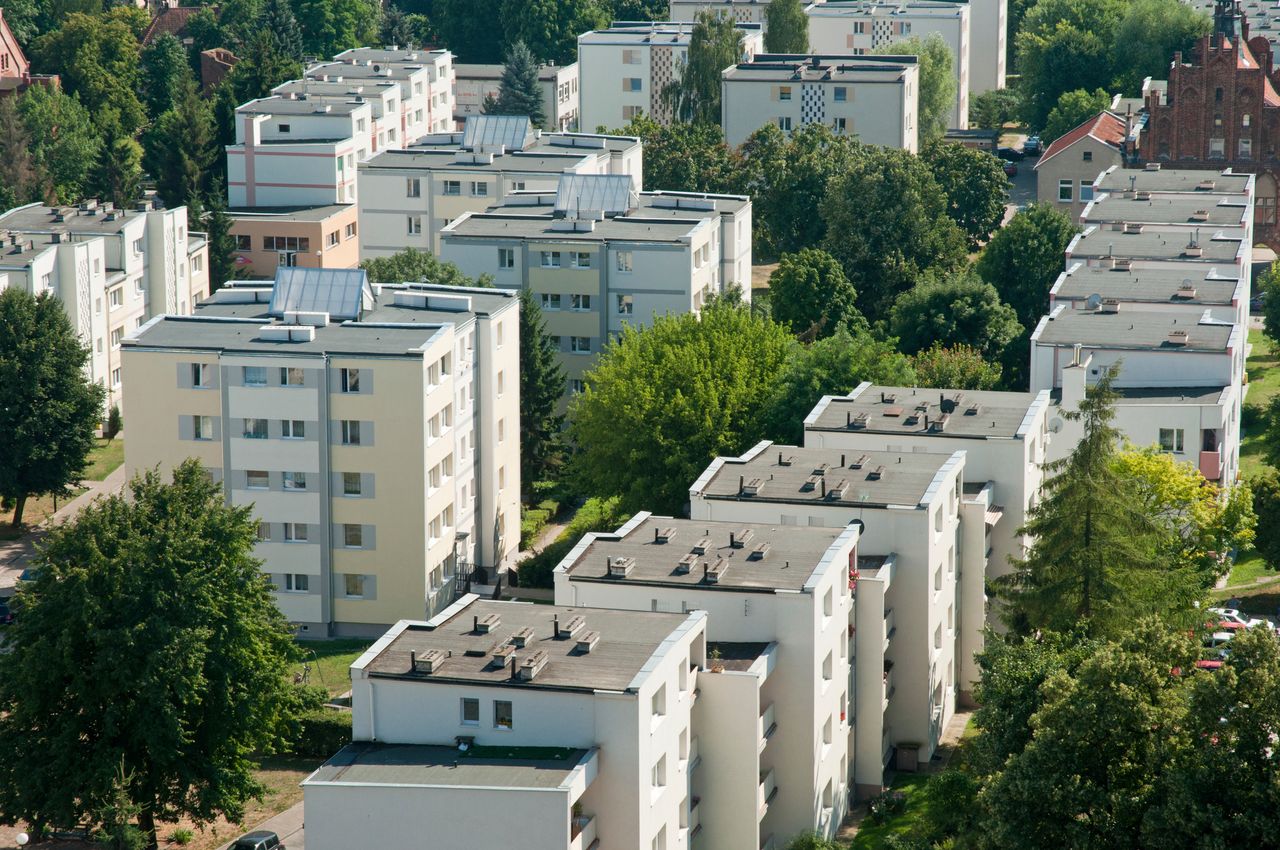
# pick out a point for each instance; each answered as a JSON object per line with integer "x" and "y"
{"x": 1232, "y": 615}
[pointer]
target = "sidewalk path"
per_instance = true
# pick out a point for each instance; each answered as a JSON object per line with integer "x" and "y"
{"x": 287, "y": 825}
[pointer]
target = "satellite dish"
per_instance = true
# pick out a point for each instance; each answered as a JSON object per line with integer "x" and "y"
{"x": 1055, "y": 424}
{"x": 1093, "y": 302}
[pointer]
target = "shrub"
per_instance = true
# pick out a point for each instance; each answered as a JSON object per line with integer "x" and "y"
{"x": 322, "y": 733}
{"x": 885, "y": 805}
{"x": 532, "y": 522}
{"x": 595, "y": 515}
{"x": 1253, "y": 416}
{"x": 114, "y": 423}
{"x": 181, "y": 836}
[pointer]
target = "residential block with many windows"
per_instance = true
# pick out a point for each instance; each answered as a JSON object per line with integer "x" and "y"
{"x": 426, "y": 79}
{"x": 559, "y": 85}
{"x": 374, "y": 430}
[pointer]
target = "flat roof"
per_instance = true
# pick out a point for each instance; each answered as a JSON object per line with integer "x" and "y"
{"x": 1131, "y": 329}
{"x": 398, "y": 71}
{"x": 1204, "y": 210}
{"x": 1153, "y": 284}
{"x": 907, "y": 8}
{"x": 787, "y": 561}
{"x": 284, "y": 105}
{"x": 978, "y": 414}
{"x": 550, "y": 162}
{"x": 813, "y": 68}
{"x": 369, "y": 763}
{"x": 798, "y": 475}
{"x": 629, "y": 228}
{"x": 628, "y": 643}
{"x": 1174, "y": 180}
{"x": 655, "y": 33}
{"x": 473, "y": 71}
{"x": 1168, "y": 395}
{"x": 321, "y": 213}
{"x": 42, "y": 218}
{"x": 654, "y": 204}
{"x": 388, "y": 329}
{"x": 1154, "y": 243}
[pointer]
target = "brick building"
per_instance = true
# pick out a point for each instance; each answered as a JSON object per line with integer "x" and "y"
{"x": 1222, "y": 110}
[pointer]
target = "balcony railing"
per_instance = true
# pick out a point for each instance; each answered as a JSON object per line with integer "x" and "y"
{"x": 695, "y": 816}
{"x": 582, "y": 832}
{"x": 889, "y": 627}
{"x": 767, "y": 726}
{"x": 694, "y": 758}
{"x": 1211, "y": 464}
{"x": 767, "y": 790}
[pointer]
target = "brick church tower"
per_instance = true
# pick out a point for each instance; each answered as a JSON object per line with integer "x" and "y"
{"x": 1222, "y": 110}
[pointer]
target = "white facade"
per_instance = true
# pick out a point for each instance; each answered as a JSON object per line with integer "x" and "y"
{"x": 426, "y": 79}
{"x": 625, "y": 68}
{"x": 383, "y": 95}
{"x": 559, "y": 84}
{"x": 859, "y": 26}
{"x": 874, "y": 98}
{"x": 743, "y": 11}
{"x": 113, "y": 270}
{"x": 988, "y": 48}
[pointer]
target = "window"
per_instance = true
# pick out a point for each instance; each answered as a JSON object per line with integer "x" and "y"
{"x": 115, "y": 297}
{"x": 349, "y": 380}
{"x": 579, "y": 302}
{"x": 255, "y": 429}
{"x": 784, "y": 123}
{"x": 658, "y": 703}
{"x": 286, "y": 243}
{"x": 1171, "y": 439}
{"x": 295, "y": 532}
{"x": 202, "y": 427}
{"x": 502, "y": 383}
{"x": 1086, "y": 191}
{"x": 580, "y": 344}
{"x": 137, "y": 246}
{"x": 115, "y": 377}
{"x": 255, "y": 376}
{"x": 470, "y": 711}
{"x": 629, "y": 112}
{"x": 498, "y": 329}
{"x": 631, "y": 84}
{"x": 631, "y": 57}
{"x": 1064, "y": 191}
{"x": 264, "y": 531}
{"x": 353, "y": 585}
{"x": 351, "y": 230}
{"x": 295, "y": 480}
{"x": 243, "y": 242}
{"x": 827, "y": 668}
{"x": 502, "y": 478}
{"x": 350, "y": 432}
{"x": 1217, "y": 148}
{"x": 550, "y": 259}
{"x": 116, "y": 336}
{"x": 412, "y": 187}
{"x": 297, "y": 582}
{"x": 623, "y": 261}
{"x": 285, "y": 128}
{"x": 332, "y": 239}
{"x": 551, "y": 300}
{"x": 517, "y": 185}
{"x": 352, "y": 535}
{"x": 352, "y": 484}
{"x": 291, "y": 376}
{"x": 580, "y": 260}
{"x": 502, "y": 714}
{"x": 840, "y": 125}
{"x": 506, "y": 258}
{"x": 576, "y": 385}
{"x": 479, "y": 189}
{"x": 414, "y": 224}
{"x": 784, "y": 92}
{"x": 256, "y": 479}
{"x": 1087, "y": 156}
{"x": 626, "y": 305}
{"x": 293, "y": 429}
{"x": 453, "y": 187}
{"x": 1246, "y": 148}
{"x": 199, "y": 373}
{"x": 660, "y": 772}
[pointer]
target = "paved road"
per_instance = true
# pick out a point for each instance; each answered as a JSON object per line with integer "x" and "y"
{"x": 287, "y": 825}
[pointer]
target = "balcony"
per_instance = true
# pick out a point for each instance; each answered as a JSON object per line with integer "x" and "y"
{"x": 695, "y": 816}
{"x": 766, "y": 727}
{"x": 889, "y": 627}
{"x": 694, "y": 758}
{"x": 888, "y": 682}
{"x": 582, "y": 832}
{"x": 767, "y": 790}
{"x": 1211, "y": 464}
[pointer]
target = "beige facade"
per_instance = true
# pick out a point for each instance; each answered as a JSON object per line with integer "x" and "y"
{"x": 1065, "y": 173}
{"x": 306, "y": 237}
{"x": 559, "y": 84}
{"x": 378, "y": 446}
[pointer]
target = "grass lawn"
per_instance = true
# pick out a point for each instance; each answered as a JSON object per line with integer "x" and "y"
{"x": 330, "y": 661}
{"x": 912, "y": 786}
{"x": 1248, "y": 568}
{"x": 104, "y": 458}
{"x": 1263, "y": 368}
{"x": 1263, "y": 600}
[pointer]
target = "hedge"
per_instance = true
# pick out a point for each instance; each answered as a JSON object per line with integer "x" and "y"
{"x": 596, "y": 514}
{"x": 323, "y": 732}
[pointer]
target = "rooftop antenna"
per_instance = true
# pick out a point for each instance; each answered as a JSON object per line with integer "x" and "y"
{"x": 1094, "y": 301}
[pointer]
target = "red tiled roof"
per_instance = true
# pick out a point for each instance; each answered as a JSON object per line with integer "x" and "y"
{"x": 1105, "y": 127}
{"x": 1245, "y": 60}
{"x": 171, "y": 21}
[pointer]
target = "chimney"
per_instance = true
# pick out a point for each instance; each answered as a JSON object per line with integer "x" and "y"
{"x": 555, "y": 626}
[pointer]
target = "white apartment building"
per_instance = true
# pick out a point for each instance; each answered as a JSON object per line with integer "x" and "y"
{"x": 743, "y": 11}
{"x": 374, "y": 430}
{"x": 559, "y": 84}
{"x": 859, "y": 26}
{"x": 507, "y": 724}
{"x": 912, "y": 506}
{"x": 385, "y": 131}
{"x": 872, "y": 97}
{"x": 410, "y": 196}
{"x": 1142, "y": 246}
{"x": 779, "y": 614}
{"x": 1004, "y": 437}
{"x": 598, "y": 258}
{"x": 1188, "y": 292}
{"x": 426, "y": 81}
{"x": 625, "y": 68}
{"x": 1201, "y": 211}
{"x": 112, "y": 268}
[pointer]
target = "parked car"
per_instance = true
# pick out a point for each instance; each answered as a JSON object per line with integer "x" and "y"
{"x": 1010, "y": 169}
{"x": 1207, "y": 664}
{"x": 1258, "y": 301}
{"x": 259, "y": 839}
{"x": 6, "y": 613}
{"x": 1238, "y": 619}
{"x": 1219, "y": 643}
{"x": 1009, "y": 154}
{"x": 1031, "y": 147}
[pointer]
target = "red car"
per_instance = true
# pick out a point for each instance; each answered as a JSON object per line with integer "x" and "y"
{"x": 1010, "y": 169}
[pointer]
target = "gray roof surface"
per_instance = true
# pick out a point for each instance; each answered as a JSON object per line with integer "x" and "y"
{"x": 895, "y": 410}
{"x": 368, "y": 763}
{"x": 1173, "y": 180}
{"x": 868, "y": 7}
{"x": 1155, "y": 244}
{"x": 1157, "y": 285}
{"x": 787, "y": 565}
{"x": 1229, "y": 210}
{"x": 509, "y": 131}
{"x": 905, "y": 480}
{"x": 75, "y": 220}
{"x": 278, "y": 105}
{"x": 473, "y": 71}
{"x": 1168, "y": 395}
{"x": 635, "y": 228}
{"x": 342, "y": 293}
{"x": 1132, "y": 329}
{"x": 289, "y": 213}
{"x": 820, "y": 68}
{"x": 608, "y": 193}
{"x": 628, "y": 640}
{"x": 548, "y": 161}
{"x": 400, "y": 72}
{"x": 658, "y": 204}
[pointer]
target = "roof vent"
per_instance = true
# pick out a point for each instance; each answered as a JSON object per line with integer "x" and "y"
{"x": 1200, "y": 215}
{"x": 1179, "y": 337}
{"x": 1109, "y": 305}
{"x": 522, "y": 637}
{"x": 712, "y": 573}
{"x": 586, "y": 642}
{"x": 1121, "y": 264}
{"x": 810, "y": 483}
{"x": 287, "y": 333}
{"x": 837, "y": 492}
{"x": 949, "y": 405}
{"x": 1152, "y": 166}
{"x": 887, "y": 398}
{"x": 876, "y": 474}
{"x": 486, "y": 624}
{"x": 426, "y": 662}
{"x": 761, "y": 549}
{"x": 785, "y": 460}
{"x": 860, "y": 461}
{"x": 973, "y": 409}
{"x": 1193, "y": 250}
{"x": 532, "y": 664}
{"x": 1205, "y": 186}
{"x": 940, "y": 424}
{"x": 860, "y": 421}
{"x": 685, "y": 565}
{"x": 620, "y": 567}
{"x": 501, "y": 654}
{"x": 893, "y": 410}
{"x": 820, "y": 469}
{"x": 664, "y": 535}
{"x": 1142, "y": 195}
{"x": 1132, "y": 227}
{"x": 740, "y": 538}
{"x": 570, "y": 627}
{"x": 751, "y": 487}
{"x": 702, "y": 546}
{"x": 1186, "y": 291}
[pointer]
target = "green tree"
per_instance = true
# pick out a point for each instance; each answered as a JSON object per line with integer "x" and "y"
{"x": 1097, "y": 556}
{"x": 181, "y": 148}
{"x": 662, "y": 401}
{"x": 714, "y": 44}
{"x": 278, "y": 19}
{"x": 685, "y": 157}
{"x": 117, "y": 175}
{"x": 411, "y": 265}
{"x": 541, "y": 388}
{"x": 1148, "y": 35}
{"x": 936, "y": 94}
{"x": 331, "y": 26}
{"x": 811, "y": 841}
{"x": 239, "y": 22}
{"x": 64, "y": 142}
{"x": 1024, "y": 258}
{"x": 1266, "y": 507}
{"x": 19, "y": 179}
{"x": 637, "y": 10}
{"x": 205, "y": 33}
{"x": 222, "y": 245}
{"x": 97, "y": 57}
{"x": 1073, "y": 109}
{"x": 831, "y": 366}
{"x": 165, "y": 72}
{"x": 262, "y": 67}
{"x": 960, "y": 367}
{"x": 550, "y": 28}
{"x": 961, "y": 309}
{"x": 1269, "y": 287}
{"x": 49, "y": 408}
{"x": 809, "y": 293}
{"x": 519, "y": 92}
{"x": 170, "y": 661}
{"x": 22, "y": 18}
{"x": 992, "y": 110}
{"x": 887, "y": 224}
{"x": 786, "y": 27}
{"x": 1064, "y": 45}
{"x": 787, "y": 177}
{"x": 975, "y": 185}
{"x": 471, "y": 28}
